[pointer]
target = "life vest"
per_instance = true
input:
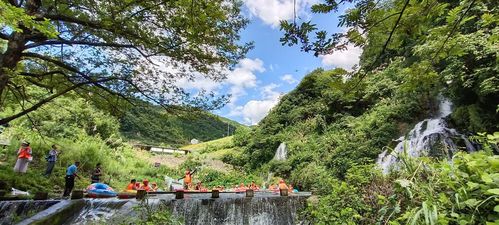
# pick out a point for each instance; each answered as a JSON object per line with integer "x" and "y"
{"x": 146, "y": 188}
{"x": 283, "y": 186}
{"x": 188, "y": 178}
{"x": 24, "y": 153}
{"x": 131, "y": 186}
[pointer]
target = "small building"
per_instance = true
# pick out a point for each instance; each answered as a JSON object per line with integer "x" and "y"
{"x": 162, "y": 150}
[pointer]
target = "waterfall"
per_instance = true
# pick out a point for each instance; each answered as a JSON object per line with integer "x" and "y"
{"x": 195, "y": 209}
{"x": 428, "y": 138}
{"x": 14, "y": 211}
{"x": 282, "y": 152}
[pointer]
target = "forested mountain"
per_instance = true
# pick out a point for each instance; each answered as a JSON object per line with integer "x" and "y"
{"x": 151, "y": 124}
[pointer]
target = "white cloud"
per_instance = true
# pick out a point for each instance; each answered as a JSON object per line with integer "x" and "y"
{"x": 289, "y": 78}
{"x": 243, "y": 77}
{"x": 345, "y": 59}
{"x": 199, "y": 82}
{"x": 272, "y": 12}
{"x": 255, "y": 110}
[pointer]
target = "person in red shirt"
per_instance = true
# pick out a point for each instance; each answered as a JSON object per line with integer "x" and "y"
{"x": 23, "y": 158}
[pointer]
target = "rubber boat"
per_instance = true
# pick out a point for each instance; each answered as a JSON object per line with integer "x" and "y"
{"x": 127, "y": 194}
{"x": 100, "y": 190}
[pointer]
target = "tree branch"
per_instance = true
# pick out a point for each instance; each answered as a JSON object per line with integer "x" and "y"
{"x": 393, "y": 30}
{"x": 452, "y": 31}
{"x": 69, "y": 42}
{"x": 75, "y": 70}
{"x": 41, "y": 75}
{"x": 48, "y": 99}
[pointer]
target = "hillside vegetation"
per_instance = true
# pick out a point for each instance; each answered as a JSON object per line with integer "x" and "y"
{"x": 336, "y": 123}
{"x": 87, "y": 134}
{"x": 151, "y": 124}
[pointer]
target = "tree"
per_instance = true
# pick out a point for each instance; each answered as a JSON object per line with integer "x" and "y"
{"x": 124, "y": 48}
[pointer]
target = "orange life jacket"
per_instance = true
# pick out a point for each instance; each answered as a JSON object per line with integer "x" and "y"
{"x": 131, "y": 186}
{"x": 146, "y": 188}
{"x": 283, "y": 186}
{"x": 24, "y": 153}
{"x": 188, "y": 178}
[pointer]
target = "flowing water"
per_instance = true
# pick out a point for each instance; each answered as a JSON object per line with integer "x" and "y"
{"x": 281, "y": 152}
{"x": 430, "y": 137}
{"x": 15, "y": 211}
{"x": 195, "y": 209}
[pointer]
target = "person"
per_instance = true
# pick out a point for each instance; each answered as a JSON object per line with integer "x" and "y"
{"x": 71, "y": 173}
{"x": 188, "y": 179}
{"x": 95, "y": 178}
{"x": 137, "y": 186}
{"x": 272, "y": 187}
{"x": 253, "y": 186}
{"x": 23, "y": 158}
{"x": 282, "y": 185}
{"x": 131, "y": 186}
{"x": 145, "y": 185}
{"x": 199, "y": 186}
{"x": 154, "y": 187}
{"x": 51, "y": 158}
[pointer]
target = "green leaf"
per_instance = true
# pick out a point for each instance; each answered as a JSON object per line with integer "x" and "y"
{"x": 403, "y": 183}
{"x": 472, "y": 202}
{"x": 493, "y": 191}
{"x": 487, "y": 179}
{"x": 496, "y": 208}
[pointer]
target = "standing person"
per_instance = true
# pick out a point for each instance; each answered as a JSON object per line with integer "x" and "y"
{"x": 95, "y": 178}
{"x": 70, "y": 178}
{"x": 51, "y": 158}
{"x": 23, "y": 158}
{"x": 188, "y": 179}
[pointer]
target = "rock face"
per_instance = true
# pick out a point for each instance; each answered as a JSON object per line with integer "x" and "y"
{"x": 194, "y": 209}
{"x": 430, "y": 137}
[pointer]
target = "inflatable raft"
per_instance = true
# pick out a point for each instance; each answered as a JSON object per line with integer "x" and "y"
{"x": 100, "y": 190}
{"x": 127, "y": 194}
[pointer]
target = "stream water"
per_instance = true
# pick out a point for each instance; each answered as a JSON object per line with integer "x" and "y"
{"x": 195, "y": 209}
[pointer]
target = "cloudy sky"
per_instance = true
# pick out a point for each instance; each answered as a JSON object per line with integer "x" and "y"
{"x": 271, "y": 70}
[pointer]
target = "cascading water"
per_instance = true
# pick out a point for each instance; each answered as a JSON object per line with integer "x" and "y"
{"x": 281, "y": 152}
{"x": 427, "y": 138}
{"x": 195, "y": 209}
{"x": 17, "y": 210}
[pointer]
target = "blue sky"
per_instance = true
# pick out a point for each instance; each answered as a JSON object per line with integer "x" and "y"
{"x": 270, "y": 69}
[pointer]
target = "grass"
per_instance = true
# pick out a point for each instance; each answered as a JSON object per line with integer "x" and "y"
{"x": 210, "y": 146}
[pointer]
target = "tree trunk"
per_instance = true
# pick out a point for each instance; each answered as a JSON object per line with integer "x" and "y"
{"x": 10, "y": 59}
{"x": 15, "y": 47}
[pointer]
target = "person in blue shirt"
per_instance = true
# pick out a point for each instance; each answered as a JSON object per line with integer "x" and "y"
{"x": 70, "y": 178}
{"x": 51, "y": 158}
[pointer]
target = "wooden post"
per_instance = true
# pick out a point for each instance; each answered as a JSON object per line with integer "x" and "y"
{"x": 250, "y": 193}
{"x": 77, "y": 194}
{"x": 41, "y": 196}
{"x": 141, "y": 194}
{"x": 215, "y": 194}
{"x": 179, "y": 194}
{"x": 284, "y": 192}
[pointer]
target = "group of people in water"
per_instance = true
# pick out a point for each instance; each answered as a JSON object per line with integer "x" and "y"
{"x": 135, "y": 186}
